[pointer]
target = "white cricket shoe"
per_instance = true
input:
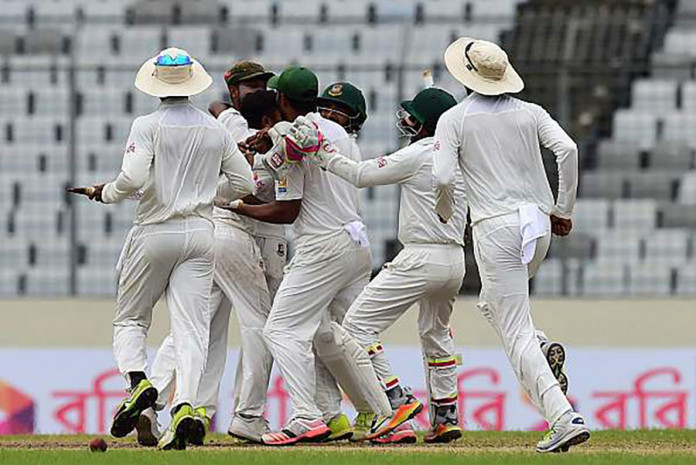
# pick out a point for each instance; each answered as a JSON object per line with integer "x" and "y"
{"x": 569, "y": 430}
{"x": 248, "y": 429}
{"x": 148, "y": 428}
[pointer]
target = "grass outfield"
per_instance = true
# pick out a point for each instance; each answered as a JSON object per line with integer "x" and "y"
{"x": 490, "y": 448}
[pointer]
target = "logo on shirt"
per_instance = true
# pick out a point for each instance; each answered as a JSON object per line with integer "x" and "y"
{"x": 131, "y": 148}
{"x": 283, "y": 186}
{"x": 381, "y": 162}
{"x": 437, "y": 145}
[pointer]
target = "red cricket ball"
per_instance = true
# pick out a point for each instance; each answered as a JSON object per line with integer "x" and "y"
{"x": 97, "y": 445}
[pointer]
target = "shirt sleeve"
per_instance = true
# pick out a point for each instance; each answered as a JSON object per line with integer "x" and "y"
{"x": 554, "y": 138}
{"x": 445, "y": 158}
{"x": 391, "y": 169}
{"x": 135, "y": 168}
{"x": 291, "y": 187}
{"x": 238, "y": 180}
{"x": 235, "y": 124}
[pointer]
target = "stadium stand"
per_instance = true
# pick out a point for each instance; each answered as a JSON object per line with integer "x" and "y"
{"x": 619, "y": 74}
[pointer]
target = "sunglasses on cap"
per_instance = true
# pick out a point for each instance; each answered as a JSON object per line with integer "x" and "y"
{"x": 168, "y": 60}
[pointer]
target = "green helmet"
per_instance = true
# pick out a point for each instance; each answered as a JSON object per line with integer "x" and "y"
{"x": 428, "y": 105}
{"x": 347, "y": 94}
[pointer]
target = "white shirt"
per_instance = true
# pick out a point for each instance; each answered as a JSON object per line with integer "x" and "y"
{"x": 496, "y": 142}
{"x": 328, "y": 202}
{"x": 264, "y": 184}
{"x": 176, "y": 154}
{"x": 411, "y": 167}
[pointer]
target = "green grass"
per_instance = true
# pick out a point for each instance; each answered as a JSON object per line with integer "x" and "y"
{"x": 605, "y": 447}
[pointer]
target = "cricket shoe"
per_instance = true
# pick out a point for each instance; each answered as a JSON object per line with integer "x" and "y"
{"x": 404, "y": 434}
{"x": 249, "y": 429}
{"x": 142, "y": 397}
{"x": 298, "y": 430}
{"x": 569, "y": 430}
{"x": 443, "y": 433}
{"x": 148, "y": 428}
{"x": 180, "y": 430}
{"x": 201, "y": 424}
{"x": 555, "y": 355}
{"x": 341, "y": 429}
{"x": 362, "y": 425}
{"x": 382, "y": 425}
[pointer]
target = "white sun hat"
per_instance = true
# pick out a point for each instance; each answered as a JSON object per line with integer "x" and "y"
{"x": 482, "y": 66}
{"x": 172, "y": 73}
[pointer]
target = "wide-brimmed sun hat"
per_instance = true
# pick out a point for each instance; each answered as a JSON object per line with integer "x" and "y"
{"x": 482, "y": 66}
{"x": 172, "y": 73}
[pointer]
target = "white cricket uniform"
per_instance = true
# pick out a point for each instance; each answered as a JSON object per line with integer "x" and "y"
{"x": 239, "y": 282}
{"x": 429, "y": 270}
{"x": 331, "y": 266}
{"x": 496, "y": 142}
{"x": 175, "y": 155}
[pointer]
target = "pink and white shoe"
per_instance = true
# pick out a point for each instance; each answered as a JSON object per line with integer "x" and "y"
{"x": 403, "y": 434}
{"x": 298, "y": 430}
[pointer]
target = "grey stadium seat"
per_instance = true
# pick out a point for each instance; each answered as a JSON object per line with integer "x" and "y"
{"x": 603, "y": 278}
{"x": 671, "y": 156}
{"x": 152, "y": 12}
{"x": 576, "y": 245}
{"x": 602, "y": 185}
{"x": 200, "y": 12}
{"x": 44, "y": 41}
{"x": 658, "y": 185}
{"x": 667, "y": 246}
{"x": 618, "y": 156}
{"x": 677, "y": 216}
{"x": 8, "y": 42}
{"x": 686, "y": 279}
{"x": 649, "y": 279}
{"x": 635, "y": 215}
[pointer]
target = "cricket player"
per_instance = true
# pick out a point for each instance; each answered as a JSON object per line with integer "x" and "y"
{"x": 239, "y": 282}
{"x": 495, "y": 139}
{"x": 169, "y": 251}
{"x": 343, "y": 103}
{"x": 429, "y": 270}
{"x": 330, "y": 267}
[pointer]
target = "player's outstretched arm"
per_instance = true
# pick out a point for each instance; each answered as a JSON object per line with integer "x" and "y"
{"x": 277, "y": 212}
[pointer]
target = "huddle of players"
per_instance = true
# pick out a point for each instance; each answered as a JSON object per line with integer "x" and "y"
{"x": 321, "y": 319}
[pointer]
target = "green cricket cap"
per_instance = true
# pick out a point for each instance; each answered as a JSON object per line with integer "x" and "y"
{"x": 346, "y": 94}
{"x": 428, "y": 105}
{"x": 298, "y": 83}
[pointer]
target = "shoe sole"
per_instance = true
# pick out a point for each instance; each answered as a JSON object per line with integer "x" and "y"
{"x": 576, "y": 439}
{"x": 144, "y": 430}
{"x": 244, "y": 438}
{"x": 125, "y": 421}
{"x": 197, "y": 434}
{"x": 393, "y": 425}
{"x": 447, "y": 436}
{"x": 182, "y": 435}
{"x": 405, "y": 439}
{"x": 556, "y": 357}
{"x": 314, "y": 436}
{"x": 346, "y": 436}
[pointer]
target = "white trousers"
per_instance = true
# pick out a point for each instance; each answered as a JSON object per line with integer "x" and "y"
{"x": 319, "y": 276}
{"x": 430, "y": 275}
{"x": 274, "y": 253}
{"x": 176, "y": 259}
{"x": 239, "y": 282}
{"x": 504, "y": 302}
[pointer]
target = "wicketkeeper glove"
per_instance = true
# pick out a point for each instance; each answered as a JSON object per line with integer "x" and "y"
{"x": 316, "y": 148}
{"x": 275, "y": 160}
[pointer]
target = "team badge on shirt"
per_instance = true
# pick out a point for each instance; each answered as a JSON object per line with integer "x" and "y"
{"x": 131, "y": 148}
{"x": 283, "y": 186}
{"x": 381, "y": 162}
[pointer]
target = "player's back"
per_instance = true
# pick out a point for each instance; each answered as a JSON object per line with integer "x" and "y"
{"x": 188, "y": 145}
{"x": 500, "y": 154}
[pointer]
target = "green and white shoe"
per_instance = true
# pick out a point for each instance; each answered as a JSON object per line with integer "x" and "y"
{"x": 180, "y": 429}
{"x": 201, "y": 425}
{"x": 362, "y": 425}
{"x": 568, "y": 431}
{"x": 141, "y": 398}
{"x": 340, "y": 428}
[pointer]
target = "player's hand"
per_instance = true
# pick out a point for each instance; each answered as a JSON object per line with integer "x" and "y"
{"x": 560, "y": 226}
{"x": 234, "y": 205}
{"x": 97, "y": 193}
{"x": 247, "y": 152}
{"x": 260, "y": 142}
